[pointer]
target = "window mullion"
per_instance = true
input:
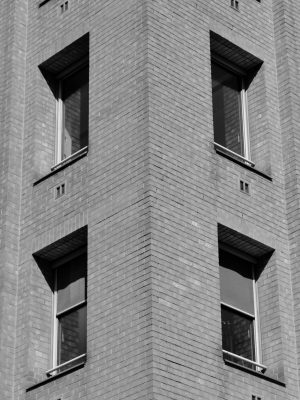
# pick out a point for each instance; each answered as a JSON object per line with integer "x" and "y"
{"x": 55, "y": 323}
{"x": 245, "y": 121}
{"x": 256, "y": 321}
{"x": 60, "y": 128}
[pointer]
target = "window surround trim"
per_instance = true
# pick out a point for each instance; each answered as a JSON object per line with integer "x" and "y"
{"x": 242, "y": 74}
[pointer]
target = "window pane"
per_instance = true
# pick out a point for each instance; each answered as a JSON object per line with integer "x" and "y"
{"x": 72, "y": 335}
{"x": 238, "y": 333}
{"x": 236, "y": 280}
{"x": 226, "y": 93}
{"x": 71, "y": 283}
{"x": 75, "y": 92}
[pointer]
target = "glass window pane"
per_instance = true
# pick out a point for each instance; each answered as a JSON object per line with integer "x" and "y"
{"x": 72, "y": 335}
{"x": 236, "y": 280}
{"x": 238, "y": 333}
{"x": 75, "y": 94}
{"x": 71, "y": 283}
{"x": 226, "y": 94}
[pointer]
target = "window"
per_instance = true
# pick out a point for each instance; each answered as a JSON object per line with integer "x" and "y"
{"x": 64, "y": 102}
{"x": 69, "y": 312}
{"x": 239, "y": 103}
{"x": 62, "y": 273}
{"x": 72, "y": 113}
{"x": 230, "y": 111}
{"x": 239, "y": 310}
{"x": 250, "y": 323}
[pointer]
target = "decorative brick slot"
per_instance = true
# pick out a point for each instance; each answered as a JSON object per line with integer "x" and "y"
{"x": 60, "y": 190}
{"x": 64, "y": 7}
{"x": 235, "y": 4}
{"x": 244, "y": 187}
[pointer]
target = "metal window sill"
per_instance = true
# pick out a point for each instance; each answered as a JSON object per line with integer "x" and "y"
{"x": 253, "y": 372}
{"x": 82, "y": 153}
{"x": 70, "y": 158}
{"x": 67, "y": 365}
{"x": 262, "y": 368}
{"x": 56, "y": 376}
{"x": 240, "y": 161}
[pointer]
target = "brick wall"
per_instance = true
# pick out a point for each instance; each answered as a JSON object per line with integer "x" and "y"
{"x": 288, "y": 57}
{"x": 194, "y": 189}
{"x": 106, "y": 190}
{"x": 12, "y": 82}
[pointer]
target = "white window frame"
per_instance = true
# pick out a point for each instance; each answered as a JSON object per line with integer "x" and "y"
{"x": 241, "y": 74}
{"x": 60, "y": 264}
{"x": 60, "y": 115}
{"x": 257, "y": 336}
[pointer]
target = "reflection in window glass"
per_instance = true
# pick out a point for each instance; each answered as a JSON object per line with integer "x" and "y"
{"x": 238, "y": 333}
{"x": 75, "y": 92}
{"x": 72, "y": 335}
{"x": 71, "y": 283}
{"x": 227, "y": 110}
{"x": 236, "y": 282}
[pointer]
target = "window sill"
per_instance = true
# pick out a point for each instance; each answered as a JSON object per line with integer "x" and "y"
{"x": 70, "y": 158}
{"x": 253, "y": 372}
{"x": 42, "y": 3}
{"x": 56, "y": 376}
{"x": 64, "y": 164}
{"x": 222, "y": 151}
{"x": 68, "y": 364}
{"x": 228, "y": 354}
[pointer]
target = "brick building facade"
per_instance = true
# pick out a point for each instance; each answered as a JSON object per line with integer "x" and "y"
{"x": 149, "y": 199}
